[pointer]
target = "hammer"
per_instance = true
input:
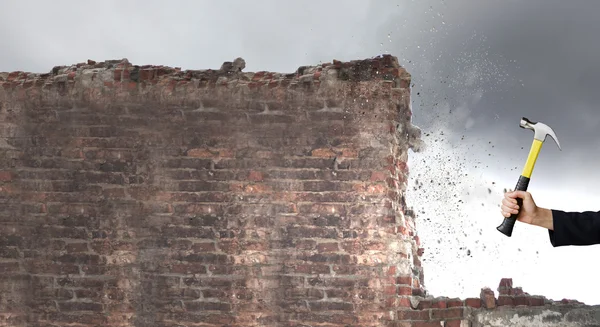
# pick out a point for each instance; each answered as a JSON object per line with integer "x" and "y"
{"x": 541, "y": 131}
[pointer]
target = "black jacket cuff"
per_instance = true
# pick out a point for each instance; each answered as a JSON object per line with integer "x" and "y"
{"x": 557, "y": 235}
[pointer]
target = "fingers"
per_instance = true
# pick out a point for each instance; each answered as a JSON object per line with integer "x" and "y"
{"x": 508, "y": 207}
{"x": 513, "y": 195}
{"x": 509, "y": 204}
{"x": 510, "y": 198}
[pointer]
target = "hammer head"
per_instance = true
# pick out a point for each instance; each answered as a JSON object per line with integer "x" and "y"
{"x": 541, "y": 130}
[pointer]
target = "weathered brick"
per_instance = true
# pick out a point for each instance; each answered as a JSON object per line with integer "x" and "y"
{"x": 449, "y": 313}
{"x": 207, "y": 306}
{"x": 188, "y": 232}
{"x": 80, "y": 306}
{"x": 308, "y": 269}
{"x": 205, "y": 258}
{"x": 327, "y": 247}
{"x": 88, "y": 294}
{"x": 94, "y": 318}
{"x": 77, "y": 247}
{"x": 426, "y": 324}
{"x": 405, "y": 290}
{"x": 190, "y": 268}
{"x": 9, "y": 252}
{"x": 451, "y": 303}
{"x": 9, "y": 267}
{"x": 330, "y": 306}
{"x": 517, "y": 300}
{"x": 413, "y": 315}
{"x": 456, "y": 323}
{"x": 204, "y": 247}
{"x": 473, "y": 302}
{"x": 65, "y": 232}
{"x": 41, "y": 267}
{"x": 505, "y": 300}
{"x": 312, "y": 232}
{"x": 79, "y": 258}
{"x": 5, "y": 176}
{"x": 487, "y": 298}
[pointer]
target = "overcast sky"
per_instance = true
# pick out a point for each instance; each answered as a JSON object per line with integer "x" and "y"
{"x": 478, "y": 67}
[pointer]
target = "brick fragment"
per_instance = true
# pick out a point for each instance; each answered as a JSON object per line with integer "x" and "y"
{"x": 488, "y": 298}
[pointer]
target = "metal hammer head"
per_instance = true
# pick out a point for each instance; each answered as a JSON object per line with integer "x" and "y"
{"x": 541, "y": 130}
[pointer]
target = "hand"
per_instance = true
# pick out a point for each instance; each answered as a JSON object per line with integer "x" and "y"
{"x": 530, "y": 213}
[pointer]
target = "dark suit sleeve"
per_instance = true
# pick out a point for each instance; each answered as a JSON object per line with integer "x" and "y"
{"x": 575, "y": 228}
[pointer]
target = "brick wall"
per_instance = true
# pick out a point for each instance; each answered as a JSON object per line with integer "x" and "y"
{"x": 153, "y": 196}
{"x": 145, "y": 195}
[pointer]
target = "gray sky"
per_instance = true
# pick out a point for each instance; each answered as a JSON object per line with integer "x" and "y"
{"x": 478, "y": 67}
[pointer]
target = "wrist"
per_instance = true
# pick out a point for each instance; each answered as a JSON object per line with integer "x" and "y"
{"x": 543, "y": 218}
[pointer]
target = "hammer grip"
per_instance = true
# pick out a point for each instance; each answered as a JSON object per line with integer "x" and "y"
{"x": 508, "y": 224}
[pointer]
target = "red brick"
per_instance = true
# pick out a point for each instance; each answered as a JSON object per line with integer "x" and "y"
{"x": 5, "y": 176}
{"x": 521, "y": 300}
{"x": 201, "y": 153}
{"x": 404, "y": 280}
{"x": 405, "y": 290}
{"x": 535, "y": 301}
{"x": 391, "y": 271}
{"x": 404, "y": 302}
{"x": 327, "y": 247}
{"x": 390, "y": 290}
{"x": 413, "y": 315}
{"x": 311, "y": 269}
{"x": 454, "y": 323}
{"x": 349, "y": 153}
{"x": 190, "y": 268}
{"x": 473, "y": 302}
{"x": 505, "y": 300}
{"x": 454, "y": 303}
{"x": 426, "y": 324}
{"x": 449, "y": 313}
{"x": 256, "y": 176}
{"x": 257, "y": 188}
{"x": 77, "y": 247}
{"x": 506, "y": 282}
{"x": 323, "y": 153}
{"x": 424, "y": 304}
{"x": 9, "y": 267}
{"x": 80, "y": 306}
